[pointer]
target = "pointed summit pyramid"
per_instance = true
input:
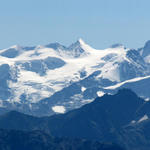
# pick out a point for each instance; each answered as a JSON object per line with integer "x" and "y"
{"x": 80, "y": 48}
{"x": 77, "y": 48}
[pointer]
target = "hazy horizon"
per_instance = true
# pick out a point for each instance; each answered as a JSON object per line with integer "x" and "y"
{"x": 100, "y": 23}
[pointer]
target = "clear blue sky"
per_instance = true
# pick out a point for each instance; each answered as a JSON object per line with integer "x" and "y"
{"x": 100, "y": 23}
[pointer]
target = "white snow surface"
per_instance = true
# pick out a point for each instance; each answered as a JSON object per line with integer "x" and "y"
{"x": 59, "y": 109}
{"x": 147, "y": 99}
{"x": 100, "y": 93}
{"x": 83, "y": 88}
{"x": 127, "y": 81}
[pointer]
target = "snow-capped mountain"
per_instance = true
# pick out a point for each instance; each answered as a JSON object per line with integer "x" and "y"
{"x": 42, "y": 80}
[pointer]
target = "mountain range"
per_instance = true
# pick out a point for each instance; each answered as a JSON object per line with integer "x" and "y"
{"x": 122, "y": 118}
{"x": 50, "y": 79}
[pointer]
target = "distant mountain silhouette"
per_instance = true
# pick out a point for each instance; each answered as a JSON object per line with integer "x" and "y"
{"x": 122, "y": 118}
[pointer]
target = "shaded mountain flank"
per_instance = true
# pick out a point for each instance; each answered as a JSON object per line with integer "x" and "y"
{"x": 122, "y": 118}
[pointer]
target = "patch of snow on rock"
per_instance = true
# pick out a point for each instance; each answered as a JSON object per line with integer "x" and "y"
{"x": 59, "y": 109}
{"x": 145, "y": 117}
{"x": 147, "y": 99}
{"x": 133, "y": 121}
{"x": 83, "y": 89}
{"x": 100, "y": 93}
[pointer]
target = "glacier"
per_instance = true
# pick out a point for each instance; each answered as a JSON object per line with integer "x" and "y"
{"x": 36, "y": 79}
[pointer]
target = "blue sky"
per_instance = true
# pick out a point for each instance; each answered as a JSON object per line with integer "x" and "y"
{"x": 100, "y": 23}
